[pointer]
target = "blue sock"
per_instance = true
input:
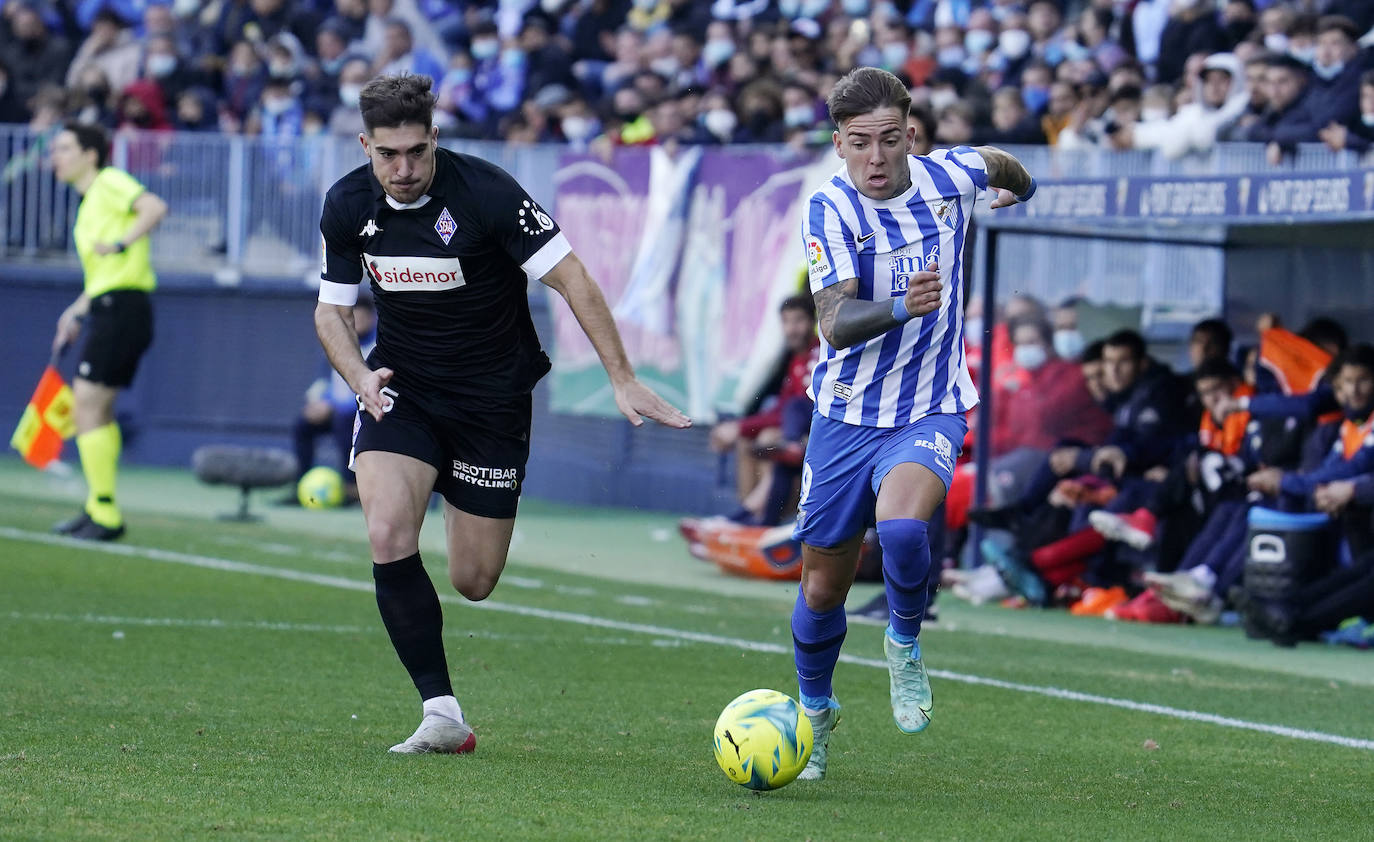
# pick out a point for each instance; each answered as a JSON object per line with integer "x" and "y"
{"x": 906, "y": 567}
{"x": 816, "y": 640}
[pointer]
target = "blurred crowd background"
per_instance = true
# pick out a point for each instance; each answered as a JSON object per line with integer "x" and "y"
{"x": 1173, "y": 75}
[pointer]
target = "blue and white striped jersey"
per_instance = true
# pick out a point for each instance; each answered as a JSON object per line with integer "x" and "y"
{"x": 916, "y": 369}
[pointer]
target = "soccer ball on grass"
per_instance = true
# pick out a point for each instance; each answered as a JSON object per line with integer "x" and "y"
{"x": 763, "y": 739}
{"x": 320, "y": 488}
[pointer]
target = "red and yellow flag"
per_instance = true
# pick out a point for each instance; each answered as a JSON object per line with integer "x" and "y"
{"x": 47, "y": 420}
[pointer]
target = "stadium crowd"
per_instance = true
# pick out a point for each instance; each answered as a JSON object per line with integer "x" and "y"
{"x": 1173, "y": 75}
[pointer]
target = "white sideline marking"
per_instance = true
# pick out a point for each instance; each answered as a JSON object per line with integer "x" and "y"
{"x": 210, "y": 563}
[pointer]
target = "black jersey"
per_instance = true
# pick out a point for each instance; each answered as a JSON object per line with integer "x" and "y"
{"x": 449, "y": 274}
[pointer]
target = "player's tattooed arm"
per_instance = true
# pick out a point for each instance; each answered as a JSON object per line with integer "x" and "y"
{"x": 1004, "y": 171}
{"x": 846, "y": 321}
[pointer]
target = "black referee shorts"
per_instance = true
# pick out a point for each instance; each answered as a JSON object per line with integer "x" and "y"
{"x": 480, "y": 457}
{"x": 118, "y": 330}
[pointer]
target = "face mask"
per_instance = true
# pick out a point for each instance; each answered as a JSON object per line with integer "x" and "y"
{"x": 332, "y": 66}
{"x": 646, "y": 5}
{"x": 1276, "y": 42}
{"x": 950, "y": 56}
{"x": 1327, "y": 72}
{"x": 551, "y": 7}
{"x": 1014, "y": 42}
{"x": 978, "y": 41}
{"x": 281, "y": 69}
{"x": 1368, "y": 120}
{"x": 854, "y": 8}
{"x": 939, "y": 99}
{"x": 485, "y": 48}
{"x": 276, "y": 105}
{"x": 350, "y": 94}
{"x": 512, "y": 58}
{"x": 665, "y": 66}
{"x": 458, "y": 76}
{"x": 578, "y": 128}
{"x": 1068, "y": 343}
{"x": 720, "y": 122}
{"x": 716, "y": 52}
{"x": 1035, "y": 99}
{"x": 1153, "y": 115}
{"x": 789, "y": 8}
{"x": 1074, "y": 51}
{"x": 798, "y": 116}
{"x": 1303, "y": 54}
{"x": 1029, "y": 357}
{"x": 895, "y": 54}
{"x": 160, "y": 65}
{"x": 973, "y": 328}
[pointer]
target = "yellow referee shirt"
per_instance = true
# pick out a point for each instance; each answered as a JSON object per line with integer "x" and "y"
{"x": 105, "y": 215}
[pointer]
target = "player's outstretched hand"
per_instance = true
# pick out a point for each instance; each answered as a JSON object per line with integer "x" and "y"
{"x": 923, "y": 292}
{"x": 637, "y": 402}
{"x": 1004, "y": 198}
{"x": 370, "y": 392}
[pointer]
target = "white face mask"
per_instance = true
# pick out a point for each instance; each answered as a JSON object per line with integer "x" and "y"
{"x": 276, "y": 104}
{"x": 349, "y": 95}
{"x": 1029, "y": 357}
{"x": 1153, "y": 115}
{"x": 665, "y": 66}
{"x": 950, "y": 56}
{"x": 1276, "y": 42}
{"x": 1014, "y": 42}
{"x": 1068, "y": 343}
{"x": 895, "y": 54}
{"x": 854, "y": 8}
{"x": 161, "y": 64}
{"x": 720, "y": 122}
{"x": 716, "y": 52}
{"x": 578, "y": 128}
{"x": 798, "y": 116}
{"x": 485, "y": 48}
{"x": 1368, "y": 120}
{"x": 978, "y": 41}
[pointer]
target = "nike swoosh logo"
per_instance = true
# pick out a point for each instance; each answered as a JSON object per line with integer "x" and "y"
{"x": 870, "y": 235}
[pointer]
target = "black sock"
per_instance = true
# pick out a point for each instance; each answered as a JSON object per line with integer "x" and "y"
{"x": 410, "y": 611}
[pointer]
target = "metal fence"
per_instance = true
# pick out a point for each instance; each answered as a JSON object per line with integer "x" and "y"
{"x": 245, "y": 210}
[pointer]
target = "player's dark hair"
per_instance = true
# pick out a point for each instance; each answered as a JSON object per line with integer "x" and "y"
{"x": 1127, "y": 339}
{"x": 388, "y": 102}
{"x": 1216, "y": 367}
{"x": 1356, "y": 355}
{"x": 1324, "y": 331}
{"x": 802, "y": 302}
{"x": 1093, "y": 352}
{"x": 1042, "y": 327}
{"x": 1217, "y": 330}
{"x": 91, "y": 137}
{"x": 866, "y": 89}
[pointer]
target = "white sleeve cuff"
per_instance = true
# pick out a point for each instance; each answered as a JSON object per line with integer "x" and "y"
{"x": 341, "y": 295}
{"x": 547, "y": 257}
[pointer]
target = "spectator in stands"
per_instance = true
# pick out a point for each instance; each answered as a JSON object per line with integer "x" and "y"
{"x": 717, "y": 122}
{"x": 11, "y": 109}
{"x": 1220, "y": 100}
{"x": 1192, "y": 28}
{"x": 1063, "y": 109}
{"x": 1210, "y": 339}
{"x": 776, "y": 433}
{"x": 91, "y": 101}
{"x": 398, "y": 53}
{"x": 141, "y": 106}
{"x": 34, "y": 53}
{"x": 344, "y": 118}
{"x": 329, "y": 409}
{"x": 1011, "y": 122}
{"x": 1285, "y": 80}
{"x": 1238, "y": 21}
{"x": 1355, "y": 135}
{"x": 546, "y": 57}
{"x": 955, "y": 126}
{"x": 1332, "y": 95}
{"x": 171, "y": 72}
{"x": 243, "y": 82}
{"x": 111, "y": 48}
{"x": 922, "y": 119}
{"x": 279, "y": 113}
{"x": 196, "y": 111}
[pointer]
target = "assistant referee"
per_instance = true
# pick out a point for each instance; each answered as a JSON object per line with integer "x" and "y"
{"x": 112, "y": 225}
{"x": 448, "y": 244}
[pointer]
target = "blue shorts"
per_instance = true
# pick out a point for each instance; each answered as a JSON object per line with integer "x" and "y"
{"x": 846, "y": 464}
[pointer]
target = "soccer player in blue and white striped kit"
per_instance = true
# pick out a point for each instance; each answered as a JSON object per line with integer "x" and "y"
{"x": 884, "y": 244}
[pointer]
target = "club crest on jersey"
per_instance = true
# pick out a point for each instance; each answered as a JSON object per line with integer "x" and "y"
{"x": 944, "y": 211}
{"x": 370, "y": 229}
{"x": 533, "y": 220}
{"x": 816, "y": 264}
{"x": 445, "y": 226}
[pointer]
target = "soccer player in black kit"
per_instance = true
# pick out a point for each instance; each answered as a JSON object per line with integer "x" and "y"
{"x": 447, "y": 243}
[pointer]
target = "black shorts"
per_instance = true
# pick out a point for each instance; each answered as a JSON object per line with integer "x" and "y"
{"x": 118, "y": 330}
{"x": 480, "y": 457}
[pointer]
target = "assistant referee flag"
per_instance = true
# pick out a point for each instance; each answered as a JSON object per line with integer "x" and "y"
{"x": 46, "y": 422}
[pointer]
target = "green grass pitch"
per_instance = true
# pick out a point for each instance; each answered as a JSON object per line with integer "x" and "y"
{"x": 210, "y": 680}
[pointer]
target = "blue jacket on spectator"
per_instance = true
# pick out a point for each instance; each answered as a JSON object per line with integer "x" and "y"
{"x": 1324, "y": 102}
{"x": 1148, "y": 424}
